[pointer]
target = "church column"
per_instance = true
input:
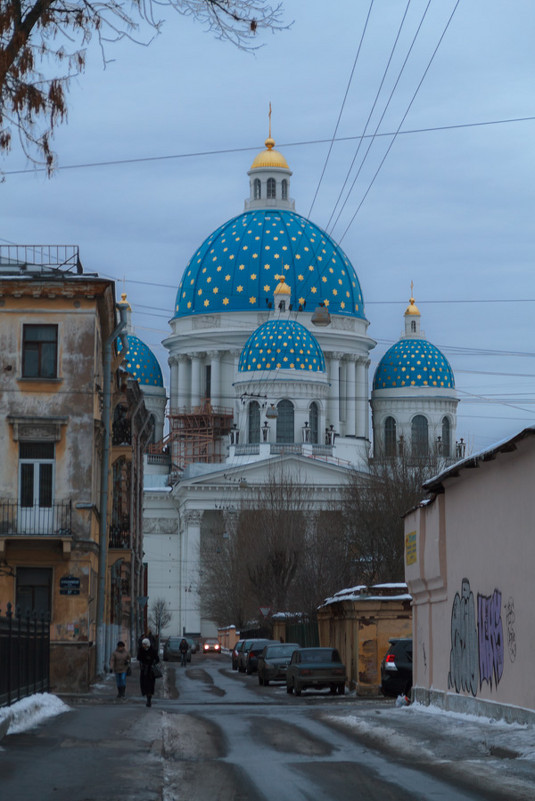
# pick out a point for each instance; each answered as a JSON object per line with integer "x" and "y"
{"x": 196, "y": 373}
{"x": 351, "y": 385}
{"x": 362, "y": 398}
{"x": 173, "y": 366}
{"x": 215, "y": 367}
{"x": 190, "y": 572}
{"x": 181, "y": 398}
{"x": 334, "y": 395}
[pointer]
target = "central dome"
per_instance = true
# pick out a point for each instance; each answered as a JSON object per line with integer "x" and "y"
{"x": 237, "y": 267}
{"x": 282, "y": 345}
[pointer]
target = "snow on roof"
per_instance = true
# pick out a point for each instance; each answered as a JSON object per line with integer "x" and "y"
{"x": 434, "y": 484}
{"x": 375, "y": 592}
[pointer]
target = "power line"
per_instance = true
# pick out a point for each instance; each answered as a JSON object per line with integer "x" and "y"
{"x": 284, "y": 145}
{"x": 401, "y": 123}
{"x": 341, "y": 109}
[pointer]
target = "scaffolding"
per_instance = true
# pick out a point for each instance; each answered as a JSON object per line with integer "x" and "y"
{"x": 196, "y": 435}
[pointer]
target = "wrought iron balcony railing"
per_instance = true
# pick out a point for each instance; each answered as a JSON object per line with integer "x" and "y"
{"x": 54, "y": 520}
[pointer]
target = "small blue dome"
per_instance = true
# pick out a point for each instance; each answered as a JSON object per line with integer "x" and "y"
{"x": 236, "y": 268}
{"x": 282, "y": 345}
{"x": 413, "y": 363}
{"x": 141, "y": 362}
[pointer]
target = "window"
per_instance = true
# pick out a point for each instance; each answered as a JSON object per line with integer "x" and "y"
{"x": 39, "y": 351}
{"x": 390, "y": 437}
{"x": 284, "y": 187}
{"x": 36, "y": 474}
{"x": 33, "y": 589}
{"x": 271, "y": 188}
{"x": 446, "y": 437}
{"x": 313, "y": 416}
{"x": 208, "y": 381}
{"x": 413, "y": 326}
{"x": 285, "y": 421}
{"x": 419, "y": 436}
{"x": 254, "y": 422}
{"x": 257, "y": 190}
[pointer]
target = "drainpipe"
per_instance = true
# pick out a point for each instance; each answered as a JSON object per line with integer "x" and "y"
{"x": 120, "y": 331}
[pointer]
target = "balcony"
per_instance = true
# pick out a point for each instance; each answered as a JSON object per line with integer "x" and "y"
{"x": 41, "y": 521}
{"x": 119, "y": 536}
{"x": 52, "y": 522}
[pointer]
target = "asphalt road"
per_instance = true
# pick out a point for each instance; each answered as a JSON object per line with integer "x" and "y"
{"x": 216, "y": 735}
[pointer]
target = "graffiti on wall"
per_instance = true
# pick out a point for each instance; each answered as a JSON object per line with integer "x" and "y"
{"x": 464, "y": 669}
{"x": 477, "y": 639}
{"x": 489, "y": 618}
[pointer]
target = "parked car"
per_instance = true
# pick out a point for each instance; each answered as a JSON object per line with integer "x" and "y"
{"x": 251, "y": 663}
{"x": 194, "y": 646}
{"x": 211, "y": 645}
{"x": 171, "y": 649}
{"x": 243, "y": 654}
{"x": 274, "y": 660}
{"x": 396, "y": 667}
{"x": 316, "y": 668}
{"x": 235, "y": 654}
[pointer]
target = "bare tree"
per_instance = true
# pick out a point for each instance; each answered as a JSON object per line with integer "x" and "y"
{"x": 159, "y": 616}
{"x": 373, "y": 508}
{"x": 35, "y": 34}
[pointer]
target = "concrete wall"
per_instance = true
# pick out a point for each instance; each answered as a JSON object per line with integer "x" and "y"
{"x": 469, "y": 568}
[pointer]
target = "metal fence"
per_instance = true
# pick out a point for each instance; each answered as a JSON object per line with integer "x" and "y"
{"x": 54, "y": 519}
{"x": 24, "y": 655}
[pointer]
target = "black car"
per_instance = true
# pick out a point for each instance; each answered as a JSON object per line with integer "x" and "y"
{"x": 251, "y": 663}
{"x": 396, "y": 667}
{"x": 274, "y": 660}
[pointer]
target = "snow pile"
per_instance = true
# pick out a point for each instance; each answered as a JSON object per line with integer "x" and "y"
{"x": 30, "y": 712}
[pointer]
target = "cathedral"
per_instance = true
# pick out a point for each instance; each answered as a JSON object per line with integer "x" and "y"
{"x": 269, "y": 361}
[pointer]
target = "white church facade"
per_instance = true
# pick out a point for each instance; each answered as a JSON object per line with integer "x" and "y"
{"x": 269, "y": 357}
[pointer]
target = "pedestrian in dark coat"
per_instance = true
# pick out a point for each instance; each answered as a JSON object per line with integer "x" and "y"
{"x": 147, "y": 656}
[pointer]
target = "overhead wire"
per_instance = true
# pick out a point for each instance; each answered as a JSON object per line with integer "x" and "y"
{"x": 448, "y": 23}
{"x": 331, "y": 144}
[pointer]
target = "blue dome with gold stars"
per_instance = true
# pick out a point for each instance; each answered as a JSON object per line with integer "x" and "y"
{"x": 282, "y": 345}
{"x": 141, "y": 362}
{"x": 413, "y": 363}
{"x": 236, "y": 268}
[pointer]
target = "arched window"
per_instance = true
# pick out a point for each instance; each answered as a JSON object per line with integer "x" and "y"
{"x": 271, "y": 188}
{"x": 313, "y": 416}
{"x": 390, "y": 437}
{"x": 446, "y": 437}
{"x": 257, "y": 189}
{"x": 284, "y": 188}
{"x": 413, "y": 326}
{"x": 254, "y": 422}
{"x": 285, "y": 421}
{"x": 419, "y": 436}
{"x": 154, "y": 432}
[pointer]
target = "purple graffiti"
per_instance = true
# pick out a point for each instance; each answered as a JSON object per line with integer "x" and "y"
{"x": 490, "y": 633}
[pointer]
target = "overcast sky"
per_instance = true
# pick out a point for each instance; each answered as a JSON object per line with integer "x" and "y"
{"x": 451, "y": 207}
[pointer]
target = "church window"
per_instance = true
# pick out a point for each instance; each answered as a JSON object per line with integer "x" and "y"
{"x": 257, "y": 190}
{"x": 285, "y": 421}
{"x": 446, "y": 437}
{"x": 254, "y": 422}
{"x": 284, "y": 187}
{"x": 419, "y": 436}
{"x": 314, "y": 422}
{"x": 271, "y": 188}
{"x": 390, "y": 437}
{"x": 413, "y": 326}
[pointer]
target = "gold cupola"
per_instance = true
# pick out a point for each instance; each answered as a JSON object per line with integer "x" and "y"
{"x": 269, "y": 179}
{"x": 412, "y": 317}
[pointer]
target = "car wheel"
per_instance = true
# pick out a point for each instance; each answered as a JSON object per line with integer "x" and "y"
{"x": 341, "y": 689}
{"x": 289, "y": 689}
{"x": 297, "y": 689}
{"x": 333, "y": 689}
{"x": 266, "y": 682}
{"x": 249, "y": 671}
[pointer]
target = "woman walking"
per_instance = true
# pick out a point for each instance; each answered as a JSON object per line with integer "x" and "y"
{"x": 147, "y": 656}
{"x": 119, "y": 664}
